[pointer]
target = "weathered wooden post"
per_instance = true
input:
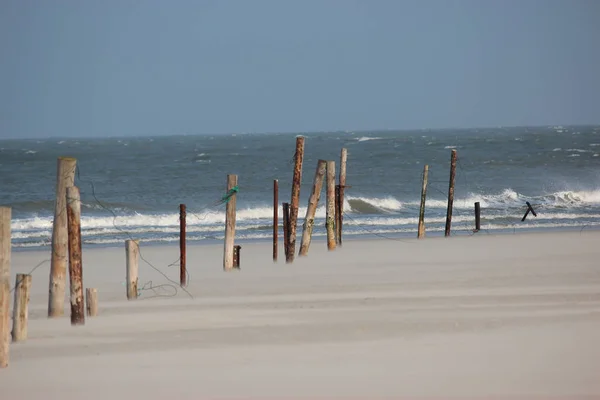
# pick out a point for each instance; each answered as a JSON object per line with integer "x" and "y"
{"x": 477, "y": 217}
{"x": 330, "y": 211}
{"x": 20, "y": 307}
{"x": 5, "y": 249}
{"x": 91, "y": 301}
{"x": 297, "y": 181}
{"x": 65, "y": 177}
{"x": 275, "y": 218}
{"x": 132, "y": 254}
{"x": 286, "y": 228}
{"x": 421, "y": 230}
{"x": 450, "y": 192}
{"x": 75, "y": 259}
{"x": 313, "y": 202}
{"x": 232, "y": 182}
{"x": 340, "y": 219}
{"x": 182, "y": 255}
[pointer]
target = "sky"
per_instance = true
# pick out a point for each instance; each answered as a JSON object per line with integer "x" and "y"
{"x": 82, "y": 68}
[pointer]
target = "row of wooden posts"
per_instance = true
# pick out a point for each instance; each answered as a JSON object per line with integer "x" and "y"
{"x": 66, "y": 240}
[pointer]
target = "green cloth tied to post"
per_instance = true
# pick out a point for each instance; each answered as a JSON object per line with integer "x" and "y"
{"x": 231, "y": 192}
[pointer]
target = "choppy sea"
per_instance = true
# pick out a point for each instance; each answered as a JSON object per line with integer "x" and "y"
{"x": 132, "y": 187}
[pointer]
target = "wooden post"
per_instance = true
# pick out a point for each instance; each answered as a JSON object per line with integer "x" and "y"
{"x": 313, "y": 202}
{"x": 65, "y": 177}
{"x": 91, "y": 301}
{"x": 330, "y": 211}
{"x": 297, "y": 180}
{"x": 342, "y": 181}
{"x": 20, "y": 307}
{"x": 275, "y": 218}
{"x": 421, "y": 230}
{"x": 232, "y": 182}
{"x": 5, "y": 249}
{"x": 450, "y": 193}
{"x": 132, "y": 254}
{"x": 286, "y": 227}
{"x": 477, "y": 217}
{"x": 182, "y": 266}
{"x": 75, "y": 259}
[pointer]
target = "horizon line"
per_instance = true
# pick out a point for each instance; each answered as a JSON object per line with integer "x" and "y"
{"x": 404, "y": 130}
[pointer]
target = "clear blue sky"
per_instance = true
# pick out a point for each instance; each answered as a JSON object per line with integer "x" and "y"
{"x": 146, "y": 67}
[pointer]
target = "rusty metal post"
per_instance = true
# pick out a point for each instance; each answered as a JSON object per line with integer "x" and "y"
{"x": 297, "y": 181}
{"x": 450, "y": 192}
{"x": 182, "y": 250}
{"x": 337, "y": 214}
{"x": 275, "y": 218}
{"x": 75, "y": 261}
{"x": 286, "y": 227}
{"x": 236, "y": 256}
{"x": 421, "y": 226}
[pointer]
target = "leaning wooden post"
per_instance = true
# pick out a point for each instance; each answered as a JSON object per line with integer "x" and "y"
{"x": 450, "y": 193}
{"x": 275, "y": 218}
{"x": 132, "y": 254}
{"x": 421, "y": 230}
{"x": 5, "y": 249}
{"x": 20, "y": 307}
{"x": 313, "y": 202}
{"x": 297, "y": 180}
{"x": 477, "y": 217}
{"x": 75, "y": 261}
{"x": 91, "y": 301}
{"x": 330, "y": 211}
{"x": 342, "y": 181}
{"x": 182, "y": 255}
{"x": 286, "y": 227}
{"x": 65, "y": 177}
{"x": 232, "y": 182}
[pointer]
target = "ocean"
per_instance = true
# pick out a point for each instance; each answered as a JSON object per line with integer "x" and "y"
{"x": 131, "y": 187}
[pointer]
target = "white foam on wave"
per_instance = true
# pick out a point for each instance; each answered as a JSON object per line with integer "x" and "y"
{"x": 366, "y": 139}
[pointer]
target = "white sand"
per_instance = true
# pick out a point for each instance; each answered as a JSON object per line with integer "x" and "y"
{"x": 512, "y": 316}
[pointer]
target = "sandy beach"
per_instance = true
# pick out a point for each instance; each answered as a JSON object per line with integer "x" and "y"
{"x": 506, "y": 316}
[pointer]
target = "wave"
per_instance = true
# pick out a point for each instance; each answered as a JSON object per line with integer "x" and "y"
{"x": 507, "y": 199}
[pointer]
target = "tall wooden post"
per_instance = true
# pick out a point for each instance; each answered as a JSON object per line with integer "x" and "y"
{"x": 286, "y": 228}
{"x": 132, "y": 256}
{"x": 297, "y": 181}
{"x": 477, "y": 217}
{"x": 182, "y": 239}
{"x": 313, "y": 202}
{"x": 5, "y": 249}
{"x": 65, "y": 177}
{"x": 91, "y": 301}
{"x": 232, "y": 182}
{"x": 330, "y": 210}
{"x": 421, "y": 230}
{"x": 20, "y": 307}
{"x": 450, "y": 193}
{"x": 342, "y": 181}
{"x": 275, "y": 218}
{"x": 337, "y": 214}
{"x": 75, "y": 261}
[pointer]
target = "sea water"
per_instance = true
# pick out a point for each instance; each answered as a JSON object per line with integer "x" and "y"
{"x": 131, "y": 187}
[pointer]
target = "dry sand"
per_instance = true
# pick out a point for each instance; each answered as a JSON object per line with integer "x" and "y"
{"x": 513, "y": 316}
